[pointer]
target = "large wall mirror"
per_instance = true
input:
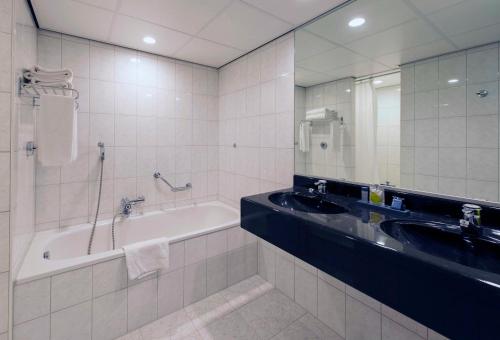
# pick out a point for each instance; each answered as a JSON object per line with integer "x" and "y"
{"x": 401, "y": 92}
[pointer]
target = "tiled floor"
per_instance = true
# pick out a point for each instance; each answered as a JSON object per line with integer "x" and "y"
{"x": 251, "y": 309}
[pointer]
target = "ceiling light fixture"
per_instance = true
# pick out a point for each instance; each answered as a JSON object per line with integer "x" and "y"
{"x": 149, "y": 40}
{"x": 377, "y": 82}
{"x": 356, "y": 22}
{"x": 453, "y": 81}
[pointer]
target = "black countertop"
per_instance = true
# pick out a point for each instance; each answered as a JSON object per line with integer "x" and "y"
{"x": 456, "y": 300}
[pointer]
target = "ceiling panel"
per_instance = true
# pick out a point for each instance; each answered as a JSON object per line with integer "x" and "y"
{"x": 186, "y": 16}
{"x": 243, "y": 27}
{"x": 407, "y": 35}
{"x": 129, "y": 32}
{"x": 467, "y": 16}
{"x": 331, "y": 59}
{"x": 106, "y": 4}
{"x": 380, "y": 15}
{"x": 480, "y": 36}
{"x": 207, "y": 53}
{"x": 295, "y": 11}
{"x": 73, "y": 18}
{"x": 310, "y": 45}
{"x": 416, "y": 53}
{"x": 224, "y": 29}
{"x": 429, "y": 6}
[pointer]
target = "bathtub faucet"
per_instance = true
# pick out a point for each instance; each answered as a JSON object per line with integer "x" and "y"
{"x": 127, "y": 204}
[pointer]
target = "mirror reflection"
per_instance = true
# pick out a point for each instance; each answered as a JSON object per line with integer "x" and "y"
{"x": 403, "y": 93}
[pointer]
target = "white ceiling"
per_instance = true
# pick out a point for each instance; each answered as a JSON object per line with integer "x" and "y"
{"x": 208, "y": 32}
{"x": 395, "y": 32}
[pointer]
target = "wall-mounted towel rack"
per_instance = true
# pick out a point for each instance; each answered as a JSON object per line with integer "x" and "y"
{"x": 36, "y": 90}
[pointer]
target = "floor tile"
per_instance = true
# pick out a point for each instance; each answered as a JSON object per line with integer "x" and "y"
{"x": 176, "y": 325}
{"x": 229, "y": 327}
{"x": 271, "y": 313}
{"x": 246, "y": 291}
{"x": 209, "y": 309}
{"x": 307, "y": 327}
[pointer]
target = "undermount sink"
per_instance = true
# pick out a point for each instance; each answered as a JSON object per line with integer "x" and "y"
{"x": 447, "y": 241}
{"x": 305, "y": 203}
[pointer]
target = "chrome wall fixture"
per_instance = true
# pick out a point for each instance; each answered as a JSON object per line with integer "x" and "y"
{"x": 188, "y": 186}
{"x": 482, "y": 93}
{"x": 35, "y": 91}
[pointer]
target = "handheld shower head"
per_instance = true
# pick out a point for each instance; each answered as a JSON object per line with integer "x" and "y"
{"x": 102, "y": 151}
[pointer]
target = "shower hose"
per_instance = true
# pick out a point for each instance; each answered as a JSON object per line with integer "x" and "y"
{"x": 89, "y": 249}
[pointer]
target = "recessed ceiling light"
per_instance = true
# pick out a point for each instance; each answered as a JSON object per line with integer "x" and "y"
{"x": 377, "y": 82}
{"x": 453, "y": 81}
{"x": 348, "y": 90}
{"x": 149, "y": 40}
{"x": 356, "y": 22}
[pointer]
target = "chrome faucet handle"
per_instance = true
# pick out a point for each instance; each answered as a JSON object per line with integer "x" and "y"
{"x": 321, "y": 184}
{"x": 472, "y": 218}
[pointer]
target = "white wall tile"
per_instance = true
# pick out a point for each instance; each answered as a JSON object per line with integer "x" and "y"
{"x": 285, "y": 275}
{"x": 31, "y": 300}
{"x": 37, "y": 329}
{"x": 217, "y": 273}
{"x": 109, "y": 316}
{"x": 170, "y": 292}
{"x": 332, "y": 307}
{"x": 142, "y": 303}
{"x": 195, "y": 282}
{"x": 72, "y": 323}
{"x": 4, "y": 302}
{"x": 4, "y": 242}
{"x": 71, "y": 288}
{"x": 362, "y": 322}
{"x": 306, "y": 290}
{"x": 108, "y": 277}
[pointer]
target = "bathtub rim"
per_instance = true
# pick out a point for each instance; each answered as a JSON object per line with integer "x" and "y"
{"x": 34, "y": 267}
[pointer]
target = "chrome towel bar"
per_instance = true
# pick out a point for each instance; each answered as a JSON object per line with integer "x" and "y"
{"x": 188, "y": 186}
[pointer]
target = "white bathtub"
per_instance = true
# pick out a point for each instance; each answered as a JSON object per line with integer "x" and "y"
{"x": 67, "y": 249}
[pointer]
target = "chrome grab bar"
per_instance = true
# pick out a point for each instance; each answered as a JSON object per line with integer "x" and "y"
{"x": 188, "y": 186}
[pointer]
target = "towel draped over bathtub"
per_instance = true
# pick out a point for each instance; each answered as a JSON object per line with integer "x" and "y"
{"x": 144, "y": 258}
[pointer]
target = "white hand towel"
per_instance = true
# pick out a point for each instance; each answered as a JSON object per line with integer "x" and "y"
{"x": 57, "y": 130}
{"x": 304, "y": 136}
{"x": 321, "y": 113}
{"x": 146, "y": 257}
{"x": 42, "y": 74}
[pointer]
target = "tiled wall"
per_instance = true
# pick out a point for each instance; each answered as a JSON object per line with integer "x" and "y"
{"x": 6, "y": 89}
{"x": 256, "y": 122}
{"x": 151, "y": 112}
{"x": 337, "y": 160}
{"x": 99, "y": 302}
{"x": 22, "y": 131}
{"x": 388, "y": 133}
{"x": 349, "y": 312}
{"x": 449, "y": 136}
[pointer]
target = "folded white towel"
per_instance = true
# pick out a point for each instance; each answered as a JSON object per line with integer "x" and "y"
{"x": 304, "y": 136}
{"x": 321, "y": 113}
{"x": 146, "y": 257}
{"x": 55, "y": 83}
{"x": 44, "y": 74}
{"x": 57, "y": 130}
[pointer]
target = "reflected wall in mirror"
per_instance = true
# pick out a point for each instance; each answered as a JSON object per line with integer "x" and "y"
{"x": 401, "y": 92}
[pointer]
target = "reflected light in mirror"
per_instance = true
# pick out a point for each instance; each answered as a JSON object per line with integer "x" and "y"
{"x": 377, "y": 82}
{"x": 452, "y": 81}
{"x": 356, "y": 22}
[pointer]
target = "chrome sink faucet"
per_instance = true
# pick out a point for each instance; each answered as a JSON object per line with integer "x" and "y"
{"x": 321, "y": 186}
{"x": 127, "y": 204}
{"x": 472, "y": 218}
